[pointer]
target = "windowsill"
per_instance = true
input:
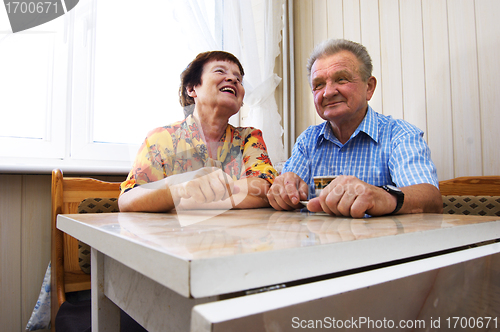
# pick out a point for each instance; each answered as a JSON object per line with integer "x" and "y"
{"x": 68, "y": 166}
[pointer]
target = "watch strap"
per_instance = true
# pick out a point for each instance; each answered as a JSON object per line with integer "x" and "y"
{"x": 400, "y": 197}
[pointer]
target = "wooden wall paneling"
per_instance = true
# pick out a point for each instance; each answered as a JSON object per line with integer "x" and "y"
{"x": 370, "y": 38}
{"x": 390, "y": 46}
{"x": 35, "y": 236}
{"x": 352, "y": 20}
{"x": 438, "y": 86}
{"x": 303, "y": 38}
{"x": 488, "y": 44}
{"x": 10, "y": 252}
{"x": 335, "y": 28}
{"x": 412, "y": 58}
{"x": 464, "y": 88}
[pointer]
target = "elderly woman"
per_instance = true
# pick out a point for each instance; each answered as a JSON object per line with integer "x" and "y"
{"x": 202, "y": 161}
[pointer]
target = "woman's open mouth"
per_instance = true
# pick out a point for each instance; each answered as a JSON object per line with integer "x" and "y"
{"x": 229, "y": 90}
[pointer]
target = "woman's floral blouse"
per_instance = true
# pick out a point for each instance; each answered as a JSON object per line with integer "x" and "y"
{"x": 179, "y": 148}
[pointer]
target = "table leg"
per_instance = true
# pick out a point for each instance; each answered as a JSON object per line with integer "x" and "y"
{"x": 105, "y": 314}
{"x": 156, "y": 307}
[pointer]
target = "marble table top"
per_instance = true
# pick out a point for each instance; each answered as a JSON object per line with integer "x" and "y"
{"x": 205, "y": 253}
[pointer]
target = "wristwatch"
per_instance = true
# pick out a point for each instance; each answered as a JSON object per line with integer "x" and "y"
{"x": 400, "y": 196}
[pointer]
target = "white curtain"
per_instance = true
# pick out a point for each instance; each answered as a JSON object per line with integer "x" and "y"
{"x": 257, "y": 55}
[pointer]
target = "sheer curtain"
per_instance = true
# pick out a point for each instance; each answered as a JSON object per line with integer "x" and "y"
{"x": 257, "y": 50}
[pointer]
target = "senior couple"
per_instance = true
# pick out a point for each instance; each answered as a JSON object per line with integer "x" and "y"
{"x": 383, "y": 164}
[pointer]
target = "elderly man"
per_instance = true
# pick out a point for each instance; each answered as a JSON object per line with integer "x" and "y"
{"x": 383, "y": 164}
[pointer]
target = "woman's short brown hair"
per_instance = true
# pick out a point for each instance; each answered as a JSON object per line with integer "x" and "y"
{"x": 191, "y": 76}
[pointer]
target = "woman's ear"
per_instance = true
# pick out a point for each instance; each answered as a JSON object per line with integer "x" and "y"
{"x": 190, "y": 91}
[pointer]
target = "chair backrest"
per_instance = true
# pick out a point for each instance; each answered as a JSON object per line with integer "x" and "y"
{"x": 475, "y": 195}
{"x": 67, "y": 194}
{"x": 471, "y": 186}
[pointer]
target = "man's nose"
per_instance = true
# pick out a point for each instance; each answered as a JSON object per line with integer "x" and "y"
{"x": 330, "y": 90}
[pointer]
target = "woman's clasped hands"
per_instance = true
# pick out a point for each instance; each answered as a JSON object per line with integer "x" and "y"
{"x": 205, "y": 185}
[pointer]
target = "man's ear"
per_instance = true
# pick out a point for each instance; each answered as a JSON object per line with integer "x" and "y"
{"x": 190, "y": 91}
{"x": 370, "y": 87}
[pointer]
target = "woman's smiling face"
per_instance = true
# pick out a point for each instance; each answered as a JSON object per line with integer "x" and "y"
{"x": 220, "y": 87}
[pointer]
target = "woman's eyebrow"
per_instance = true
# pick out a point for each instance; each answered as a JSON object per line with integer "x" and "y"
{"x": 238, "y": 73}
{"x": 227, "y": 68}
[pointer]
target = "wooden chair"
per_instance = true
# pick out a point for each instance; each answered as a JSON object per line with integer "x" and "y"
{"x": 67, "y": 193}
{"x": 475, "y": 195}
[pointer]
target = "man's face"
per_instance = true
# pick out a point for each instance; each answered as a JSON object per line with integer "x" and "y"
{"x": 340, "y": 95}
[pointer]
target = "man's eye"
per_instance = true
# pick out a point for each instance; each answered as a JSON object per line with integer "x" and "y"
{"x": 317, "y": 87}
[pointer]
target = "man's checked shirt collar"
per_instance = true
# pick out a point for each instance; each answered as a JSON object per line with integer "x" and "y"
{"x": 369, "y": 126}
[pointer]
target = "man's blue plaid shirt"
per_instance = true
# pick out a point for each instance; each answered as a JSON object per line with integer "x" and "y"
{"x": 381, "y": 151}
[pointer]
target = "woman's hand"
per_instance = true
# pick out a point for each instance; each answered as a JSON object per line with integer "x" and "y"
{"x": 206, "y": 185}
{"x": 287, "y": 191}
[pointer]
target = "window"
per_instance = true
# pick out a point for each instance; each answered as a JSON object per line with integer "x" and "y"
{"x": 33, "y": 64}
{"x": 82, "y": 91}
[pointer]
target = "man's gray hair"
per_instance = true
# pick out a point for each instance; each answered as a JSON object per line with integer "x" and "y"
{"x": 334, "y": 46}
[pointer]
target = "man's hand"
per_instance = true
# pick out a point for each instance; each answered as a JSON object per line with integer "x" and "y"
{"x": 349, "y": 196}
{"x": 205, "y": 185}
{"x": 287, "y": 191}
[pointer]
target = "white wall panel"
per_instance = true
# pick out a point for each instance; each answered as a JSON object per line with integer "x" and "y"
{"x": 390, "y": 46}
{"x": 488, "y": 46}
{"x": 334, "y": 9}
{"x": 336, "y": 27}
{"x": 438, "y": 86}
{"x": 464, "y": 88}
{"x": 436, "y": 66}
{"x": 320, "y": 26}
{"x": 320, "y": 34}
{"x": 370, "y": 38}
{"x": 35, "y": 238}
{"x": 10, "y": 252}
{"x": 412, "y": 59}
{"x": 25, "y": 214}
{"x": 304, "y": 43}
{"x": 352, "y": 24}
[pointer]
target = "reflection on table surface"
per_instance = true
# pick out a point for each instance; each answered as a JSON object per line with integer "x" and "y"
{"x": 244, "y": 231}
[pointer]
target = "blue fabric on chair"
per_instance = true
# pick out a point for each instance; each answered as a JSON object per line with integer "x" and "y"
{"x": 40, "y": 318}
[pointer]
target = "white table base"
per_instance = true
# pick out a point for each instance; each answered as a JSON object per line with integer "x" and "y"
{"x": 155, "y": 307}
